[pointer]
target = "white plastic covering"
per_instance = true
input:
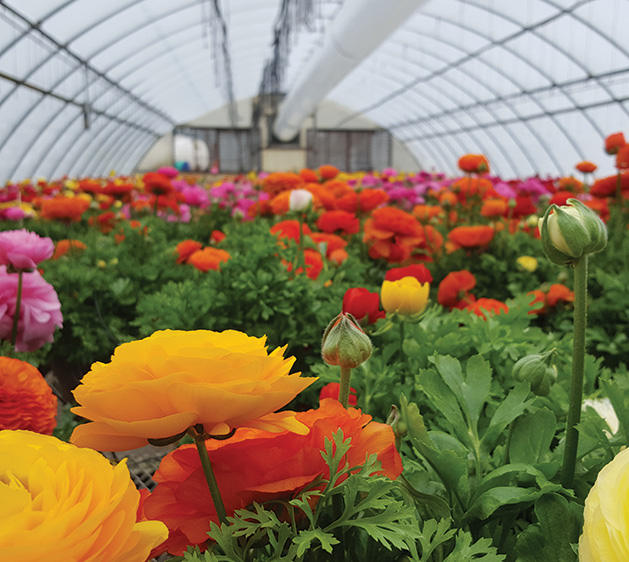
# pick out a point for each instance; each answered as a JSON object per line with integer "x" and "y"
{"x": 536, "y": 85}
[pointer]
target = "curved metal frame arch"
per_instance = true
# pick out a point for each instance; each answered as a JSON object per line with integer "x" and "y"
{"x": 492, "y": 43}
{"x": 497, "y": 96}
{"x": 445, "y": 95}
{"x": 491, "y": 113}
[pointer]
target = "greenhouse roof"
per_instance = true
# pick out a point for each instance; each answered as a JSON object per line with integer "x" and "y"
{"x": 86, "y": 87}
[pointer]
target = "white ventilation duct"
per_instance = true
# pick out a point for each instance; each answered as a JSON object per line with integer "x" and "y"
{"x": 360, "y": 26}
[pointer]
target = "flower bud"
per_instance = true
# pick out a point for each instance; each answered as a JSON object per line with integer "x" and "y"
{"x": 397, "y": 424}
{"x": 537, "y": 369}
{"x": 344, "y": 342}
{"x": 571, "y": 231}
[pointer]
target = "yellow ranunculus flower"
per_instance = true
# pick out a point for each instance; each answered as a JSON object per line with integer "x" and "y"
{"x": 527, "y": 263}
{"x": 606, "y": 519}
{"x": 162, "y": 385}
{"x": 61, "y": 503}
{"x": 405, "y": 297}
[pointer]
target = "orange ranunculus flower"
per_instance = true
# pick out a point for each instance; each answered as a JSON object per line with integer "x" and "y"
{"x": 277, "y": 182}
{"x": 338, "y": 256}
{"x": 186, "y": 248}
{"x": 69, "y": 247}
{"x": 162, "y": 385}
{"x": 69, "y": 209}
{"x": 471, "y": 187}
{"x": 471, "y": 236}
{"x": 474, "y": 163}
{"x": 322, "y": 194}
{"x": 392, "y": 234}
{"x": 308, "y": 175}
{"x": 328, "y": 172}
{"x": 494, "y": 208}
{"x": 339, "y": 188}
{"x": 600, "y": 206}
{"x": 331, "y": 221}
{"x": 454, "y": 289}
{"x": 622, "y": 157}
{"x": 426, "y": 213}
{"x": 208, "y": 258}
{"x": 332, "y": 242}
{"x": 26, "y": 400}
{"x": 369, "y": 199}
{"x": 289, "y": 229}
{"x": 571, "y": 184}
{"x": 280, "y": 204}
{"x": 480, "y": 306}
{"x": 60, "y": 502}
{"x": 217, "y": 237}
{"x": 260, "y": 466}
{"x": 613, "y": 142}
{"x": 558, "y": 292}
{"x": 586, "y": 167}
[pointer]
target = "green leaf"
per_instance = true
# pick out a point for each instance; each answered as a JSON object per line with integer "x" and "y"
{"x": 551, "y": 539}
{"x": 512, "y": 406}
{"x": 531, "y": 438}
{"x": 466, "y": 551}
{"x": 306, "y": 537}
{"x": 450, "y": 466}
{"x": 618, "y": 395}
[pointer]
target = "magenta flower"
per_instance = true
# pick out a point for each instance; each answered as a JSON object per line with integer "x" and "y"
{"x": 40, "y": 310}
{"x": 23, "y": 250}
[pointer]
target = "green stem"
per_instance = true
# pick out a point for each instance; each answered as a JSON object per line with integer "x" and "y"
{"x": 578, "y": 367}
{"x": 156, "y": 205}
{"x": 209, "y": 477}
{"x": 18, "y": 305}
{"x": 346, "y": 375}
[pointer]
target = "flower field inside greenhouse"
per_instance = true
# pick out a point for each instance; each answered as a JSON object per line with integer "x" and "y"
{"x": 378, "y": 366}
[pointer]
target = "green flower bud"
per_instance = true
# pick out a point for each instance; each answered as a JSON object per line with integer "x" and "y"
{"x": 571, "y": 231}
{"x": 399, "y": 427}
{"x": 537, "y": 369}
{"x": 344, "y": 342}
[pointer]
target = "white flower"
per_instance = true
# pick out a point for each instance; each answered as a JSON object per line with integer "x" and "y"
{"x": 300, "y": 199}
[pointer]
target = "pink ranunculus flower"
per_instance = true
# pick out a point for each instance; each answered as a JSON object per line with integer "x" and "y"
{"x": 40, "y": 310}
{"x": 22, "y": 249}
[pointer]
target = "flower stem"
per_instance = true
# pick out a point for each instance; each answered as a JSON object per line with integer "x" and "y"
{"x": 209, "y": 477}
{"x": 578, "y": 367}
{"x": 18, "y": 305}
{"x": 346, "y": 375}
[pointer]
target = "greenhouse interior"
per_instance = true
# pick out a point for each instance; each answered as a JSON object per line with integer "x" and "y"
{"x": 385, "y": 241}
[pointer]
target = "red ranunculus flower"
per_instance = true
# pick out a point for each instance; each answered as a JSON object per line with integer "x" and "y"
{"x": 26, "y": 400}
{"x": 417, "y": 270}
{"x": 454, "y": 290}
{"x": 332, "y": 221}
{"x": 622, "y": 157}
{"x": 331, "y": 390}
{"x": 560, "y": 198}
{"x": 480, "y": 306}
{"x": 157, "y": 183}
{"x": 363, "y": 305}
{"x": 613, "y": 142}
{"x": 256, "y": 465}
